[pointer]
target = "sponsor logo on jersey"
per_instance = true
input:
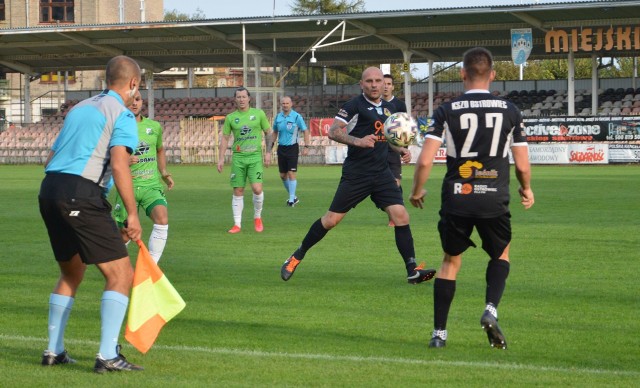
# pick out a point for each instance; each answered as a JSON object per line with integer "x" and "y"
{"x": 244, "y": 131}
{"x": 486, "y": 174}
{"x": 142, "y": 149}
{"x": 468, "y": 188}
{"x": 466, "y": 170}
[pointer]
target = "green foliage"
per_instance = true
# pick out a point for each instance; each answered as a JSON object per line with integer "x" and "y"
{"x": 348, "y": 317}
{"x": 304, "y": 7}
{"x": 175, "y": 15}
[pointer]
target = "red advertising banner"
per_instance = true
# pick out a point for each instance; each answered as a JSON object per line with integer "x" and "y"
{"x": 582, "y": 129}
{"x": 320, "y": 127}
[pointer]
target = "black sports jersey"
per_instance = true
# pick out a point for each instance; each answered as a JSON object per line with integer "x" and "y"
{"x": 365, "y": 118}
{"x": 399, "y": 104}
{"x": 479, "y": 129}
{"x": 394, "y": 157}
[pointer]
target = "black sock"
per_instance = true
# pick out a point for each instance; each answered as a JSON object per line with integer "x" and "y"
{"x": 497, "y": 272}
{"x": 314, "y": 235}
{"x": 443, "y": 293}
{"x": 404, "y": 242}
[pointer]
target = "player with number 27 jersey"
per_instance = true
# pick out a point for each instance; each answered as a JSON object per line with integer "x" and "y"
{"x": 478, "y": 129}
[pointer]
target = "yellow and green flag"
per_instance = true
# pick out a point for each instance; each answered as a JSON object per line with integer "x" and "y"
{"x": 153, "y": 303}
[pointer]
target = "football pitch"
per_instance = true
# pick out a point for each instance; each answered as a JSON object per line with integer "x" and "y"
{"x": 570, "y": 312}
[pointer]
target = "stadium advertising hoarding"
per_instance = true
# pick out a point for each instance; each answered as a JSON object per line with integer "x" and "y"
{"x": 583, "y": 153}
{"x": 552, "y": 140}
{"x": 624, "y": 153}
{"x": 564, "y": 129}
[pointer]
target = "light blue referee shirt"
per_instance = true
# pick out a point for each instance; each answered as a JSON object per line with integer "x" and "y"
{"x": 289, "y": 127}
{"x": 90, "y": 129}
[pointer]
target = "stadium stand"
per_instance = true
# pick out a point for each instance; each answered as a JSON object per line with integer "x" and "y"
{"x": 31, "y": 142}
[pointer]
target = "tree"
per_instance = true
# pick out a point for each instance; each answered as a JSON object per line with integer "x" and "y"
{"x": 174, "y": 15}
{"x": 326, "y": 6}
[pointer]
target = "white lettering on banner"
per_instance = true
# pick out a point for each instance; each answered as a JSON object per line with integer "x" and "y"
{"x": 562, "y": 130}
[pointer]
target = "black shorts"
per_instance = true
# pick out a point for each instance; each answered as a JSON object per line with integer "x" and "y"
{"x": 382, "y": 188}
{"x": 395, "y": 164}
{"x": 288, "y": 158}
{"x": 79, "y": 225}
{"x": 455, "y": 232}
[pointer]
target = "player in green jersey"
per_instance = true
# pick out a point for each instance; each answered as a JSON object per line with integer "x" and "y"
{"x": 148, "y": 169}
{"x": 247, "y": 126}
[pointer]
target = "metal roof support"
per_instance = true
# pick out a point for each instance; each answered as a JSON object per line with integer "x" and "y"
{"x": 151, "y": 106}
{"x": 535, "y": 22}
{"x": 257, "y": 64}
{"x": 430, "y": 87}
{"x": 392, "y": 39}
{"x": 406, "y": 54}
{"x": 244, "y": 55}
{"x": 342, "y": 24}
{"x": 27, "y": 99}
{"x": 571, "y": 83}
{"x": 594, "y": 84}
{"x": 20, "y": 67}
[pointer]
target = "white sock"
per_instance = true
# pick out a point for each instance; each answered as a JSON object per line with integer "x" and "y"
{"x": 158, "y": 240}
{"x": 440, "y": 333}
{"x": 237, "y": 205}
{"x": 258, "y": 201}
{"x": 492, "y": 309}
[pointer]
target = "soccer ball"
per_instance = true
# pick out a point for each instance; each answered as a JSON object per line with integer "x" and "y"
{"x": 400, "y": 129}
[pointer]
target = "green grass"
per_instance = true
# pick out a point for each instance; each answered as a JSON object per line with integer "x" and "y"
{"x": 570, "y": 312}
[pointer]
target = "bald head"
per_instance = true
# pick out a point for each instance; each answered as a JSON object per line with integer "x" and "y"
{"x": 371, "y": 72}
{"x": 121, "y": 69}
{"x": 372, "y": 83}
{"x": 286, "y": 104}
{"x": 123, "y": 77}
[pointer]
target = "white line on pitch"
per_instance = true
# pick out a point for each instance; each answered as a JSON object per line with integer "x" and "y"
{"x": 332, "y": 357}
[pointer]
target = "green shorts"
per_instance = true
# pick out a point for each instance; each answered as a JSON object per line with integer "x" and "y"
{"x": 246, "y": 166}
{"x": 146, "y": 198}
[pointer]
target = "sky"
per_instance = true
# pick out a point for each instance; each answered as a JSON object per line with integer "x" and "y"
{"x": 214, "y": 9}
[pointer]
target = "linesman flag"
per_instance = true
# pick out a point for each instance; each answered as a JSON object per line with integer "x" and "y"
{"x": 154, "y": 302}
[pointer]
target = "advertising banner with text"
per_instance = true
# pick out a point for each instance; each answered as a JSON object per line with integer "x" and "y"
{"x": 582, "y": 129}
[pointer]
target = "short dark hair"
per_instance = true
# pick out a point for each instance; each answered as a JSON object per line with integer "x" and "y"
{"x": 477, "y": 62}
{"x": 240, "y": 89}
{"x": 389, "y": 76}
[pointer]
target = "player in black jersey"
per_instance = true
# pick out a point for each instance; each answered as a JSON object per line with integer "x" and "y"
{"x": 365, "y": 173}
{"x": 480, "y": 129}
{"x": 395, "y": 164}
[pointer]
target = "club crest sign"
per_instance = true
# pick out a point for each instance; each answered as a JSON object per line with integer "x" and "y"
{"x": 521, "y": 45}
